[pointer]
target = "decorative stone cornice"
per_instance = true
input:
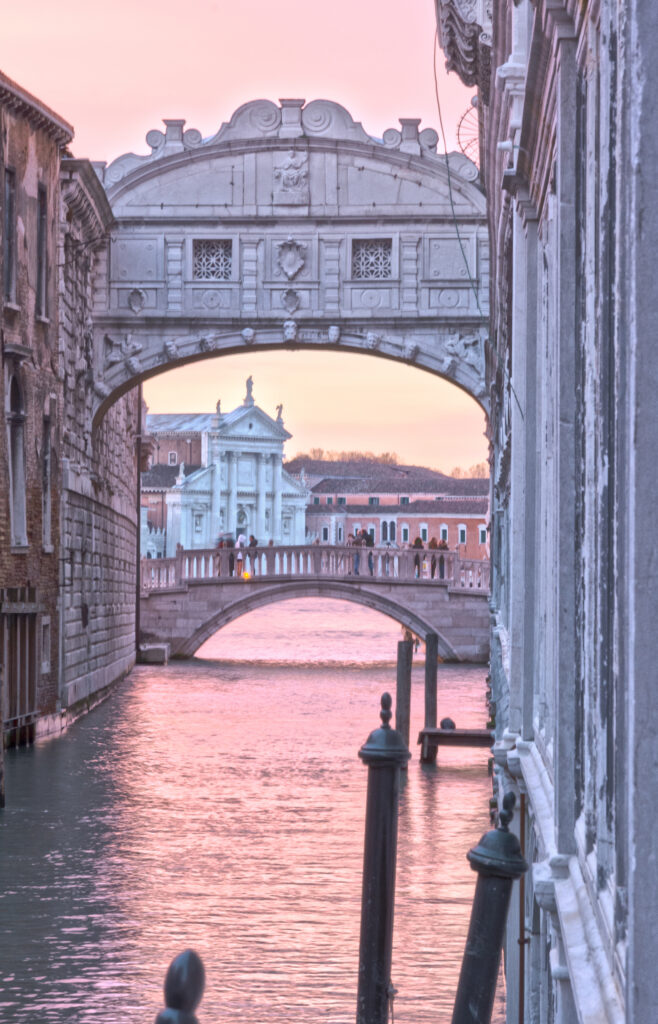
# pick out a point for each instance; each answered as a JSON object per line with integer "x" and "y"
{"x": 85, "y": 198}
{"x": 41, "y": 117}
{"x": 261, "y": 120}
{"x": 465, "y": 36}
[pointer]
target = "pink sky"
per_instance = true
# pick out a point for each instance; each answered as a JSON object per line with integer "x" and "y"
{"x": 115, "y": 71}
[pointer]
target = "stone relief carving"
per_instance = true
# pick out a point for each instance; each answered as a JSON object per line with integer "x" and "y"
{"x": 170, "y": 350}
{"x": 410, "y": 351}
{"x": 465, "y": 348}
{"x": 334, "y": 334}
{"x": 289, "y": 330}
{"x": 207, "y": 344}
{"x": 373, "y": 340}
{"x": 137, "y": 300}
{"x": 290, "y": 257}
{"x": 248, "y": 335}
{"x": 291, "y": 178}
{"x": 290, "y": 300}
{"x": 118, "y": 351}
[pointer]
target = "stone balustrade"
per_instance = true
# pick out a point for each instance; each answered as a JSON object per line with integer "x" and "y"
{"x": 427, "y": 567}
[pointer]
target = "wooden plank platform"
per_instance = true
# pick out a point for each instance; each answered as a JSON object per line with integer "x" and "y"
{"x": 431, "y": 739}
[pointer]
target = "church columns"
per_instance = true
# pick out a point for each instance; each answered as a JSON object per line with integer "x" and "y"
{"x": 216, "y": 501}
{"x": 276, "y": 498}
{"x": 232, "y": 497}
{"x": 260, "y": 491}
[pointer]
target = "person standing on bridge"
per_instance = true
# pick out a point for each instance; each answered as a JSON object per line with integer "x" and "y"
{"x": 240, "y": 545}
{"x": 253, "y": 544}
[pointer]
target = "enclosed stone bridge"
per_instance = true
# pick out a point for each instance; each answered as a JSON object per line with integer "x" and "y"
{"x": 433, "y": 593}
{"x": 290, "y": 227}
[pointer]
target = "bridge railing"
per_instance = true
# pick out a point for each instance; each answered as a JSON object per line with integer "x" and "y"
{"x": 326, "y": 561}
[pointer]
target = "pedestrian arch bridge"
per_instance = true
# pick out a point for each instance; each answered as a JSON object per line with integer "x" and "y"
{"x": 184, "y": 600}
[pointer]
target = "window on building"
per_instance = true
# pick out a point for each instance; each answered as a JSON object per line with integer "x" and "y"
{"x": 372, "y": 259}
{"x": 340, "y": 534}
{"x": 173, "y": 458}
{"x": 391, "y": 531}
{"x": 384, "y": 532}
{"x": 9, "y": 237}
{"x": 462, "y": 533}
{"x": 373, "y": 501}
{"x": 45, "y": 644}
{"x": 404, "y": 500}
{"x": 330, "y": 500}
{"x": 42, "y": 252}
{"x": 46, "y": 488}
{"x": 423, "y": 532}
{"x": 316, "y": 501}
{"x": 483, "y": 534}
{"x": 342, "y": 501}
{"x": 198, "y": 522}
{"x": 17, "y": 465}
{"x": 325, "y": 533}
{"x": 212, "y": 259}
{"x": 405, "y": 534}
{"x": 443, "y": 535}
{"x": 371, "y": 533}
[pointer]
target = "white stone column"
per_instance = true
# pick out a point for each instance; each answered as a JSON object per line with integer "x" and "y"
{"x": 232, "y": 496}
{"x": 216, "y": 502}
{"x": 276, "y": 499}
{"x": 260, "y": 497}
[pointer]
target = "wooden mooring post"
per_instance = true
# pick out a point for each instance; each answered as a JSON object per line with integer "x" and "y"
{"x": 403, "y": 690}
{"x": 428, "y": 755}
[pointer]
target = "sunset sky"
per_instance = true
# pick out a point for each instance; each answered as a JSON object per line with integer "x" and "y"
{"x": 115, "y": 71}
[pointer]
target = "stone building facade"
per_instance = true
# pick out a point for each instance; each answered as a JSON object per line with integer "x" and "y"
{"x": 234, "y": 485}
{"x": 67, "y": 500}
{"x": 31, "y": 138}
{"x": 569, "y": 146}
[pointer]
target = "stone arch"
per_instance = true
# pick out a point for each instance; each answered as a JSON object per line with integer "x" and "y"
{"x": 335, "y": 590}
{"x": 291, "y": 227}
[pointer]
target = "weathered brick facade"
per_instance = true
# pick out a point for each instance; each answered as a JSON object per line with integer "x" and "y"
{"x": 67, "y": 494}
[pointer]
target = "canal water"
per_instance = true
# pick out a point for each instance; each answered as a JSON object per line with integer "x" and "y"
{"x": 219, "y": 804}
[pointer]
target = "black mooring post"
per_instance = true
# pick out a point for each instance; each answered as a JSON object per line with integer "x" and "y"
{"x": 183, "y": 989}
{"x": 384, "y": 753}
{"x": 498, "y": 861}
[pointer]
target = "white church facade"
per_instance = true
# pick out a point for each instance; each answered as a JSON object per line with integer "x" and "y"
{"x": 217, "y": 475}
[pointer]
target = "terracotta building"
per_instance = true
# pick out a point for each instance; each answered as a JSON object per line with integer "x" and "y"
{"x": 395, "y": 505}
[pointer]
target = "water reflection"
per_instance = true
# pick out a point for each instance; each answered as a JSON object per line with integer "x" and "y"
{"x": 220, "y": 805}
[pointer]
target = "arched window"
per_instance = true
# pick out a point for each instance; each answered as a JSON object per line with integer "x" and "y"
{"x": 391, "y": 530}
{"x": 384, "y": 531}
{"x": 16, "y": 424}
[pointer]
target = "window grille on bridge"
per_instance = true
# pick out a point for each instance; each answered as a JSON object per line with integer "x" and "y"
{"x": 212, "y": 259}
{"x": 372, "y": 258}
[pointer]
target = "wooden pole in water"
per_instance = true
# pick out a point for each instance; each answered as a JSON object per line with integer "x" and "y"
{"x": 403, "y": 690}
{"x": 428, "y": 754}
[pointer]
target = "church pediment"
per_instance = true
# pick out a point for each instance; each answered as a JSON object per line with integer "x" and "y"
{"x": 247, "y": 422}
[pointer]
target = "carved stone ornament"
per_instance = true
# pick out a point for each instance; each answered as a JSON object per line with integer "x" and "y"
{"x": 137, "y": 300}
{"x": 248, "y": 335}
{"x": 118, "y": 351}
{"x": 290, "y": 300}
{"x": 171, "y": 350}
{"x": 290, "y": 257}
{"x": 334, "y": 334}
{"x": 373, "y": 340}
{"x": 410, "y": 351}
{"x": 207, "y": 345}
{"x": 289, "y": 330}
{"x": 291, "y": 179}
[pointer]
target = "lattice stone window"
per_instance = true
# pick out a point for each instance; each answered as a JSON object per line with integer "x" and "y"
{"x": 372, "y": 259}
{"x": 212, "y": 259}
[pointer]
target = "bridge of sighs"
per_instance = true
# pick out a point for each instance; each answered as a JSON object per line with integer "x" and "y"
{"x": 291, "y": 227}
